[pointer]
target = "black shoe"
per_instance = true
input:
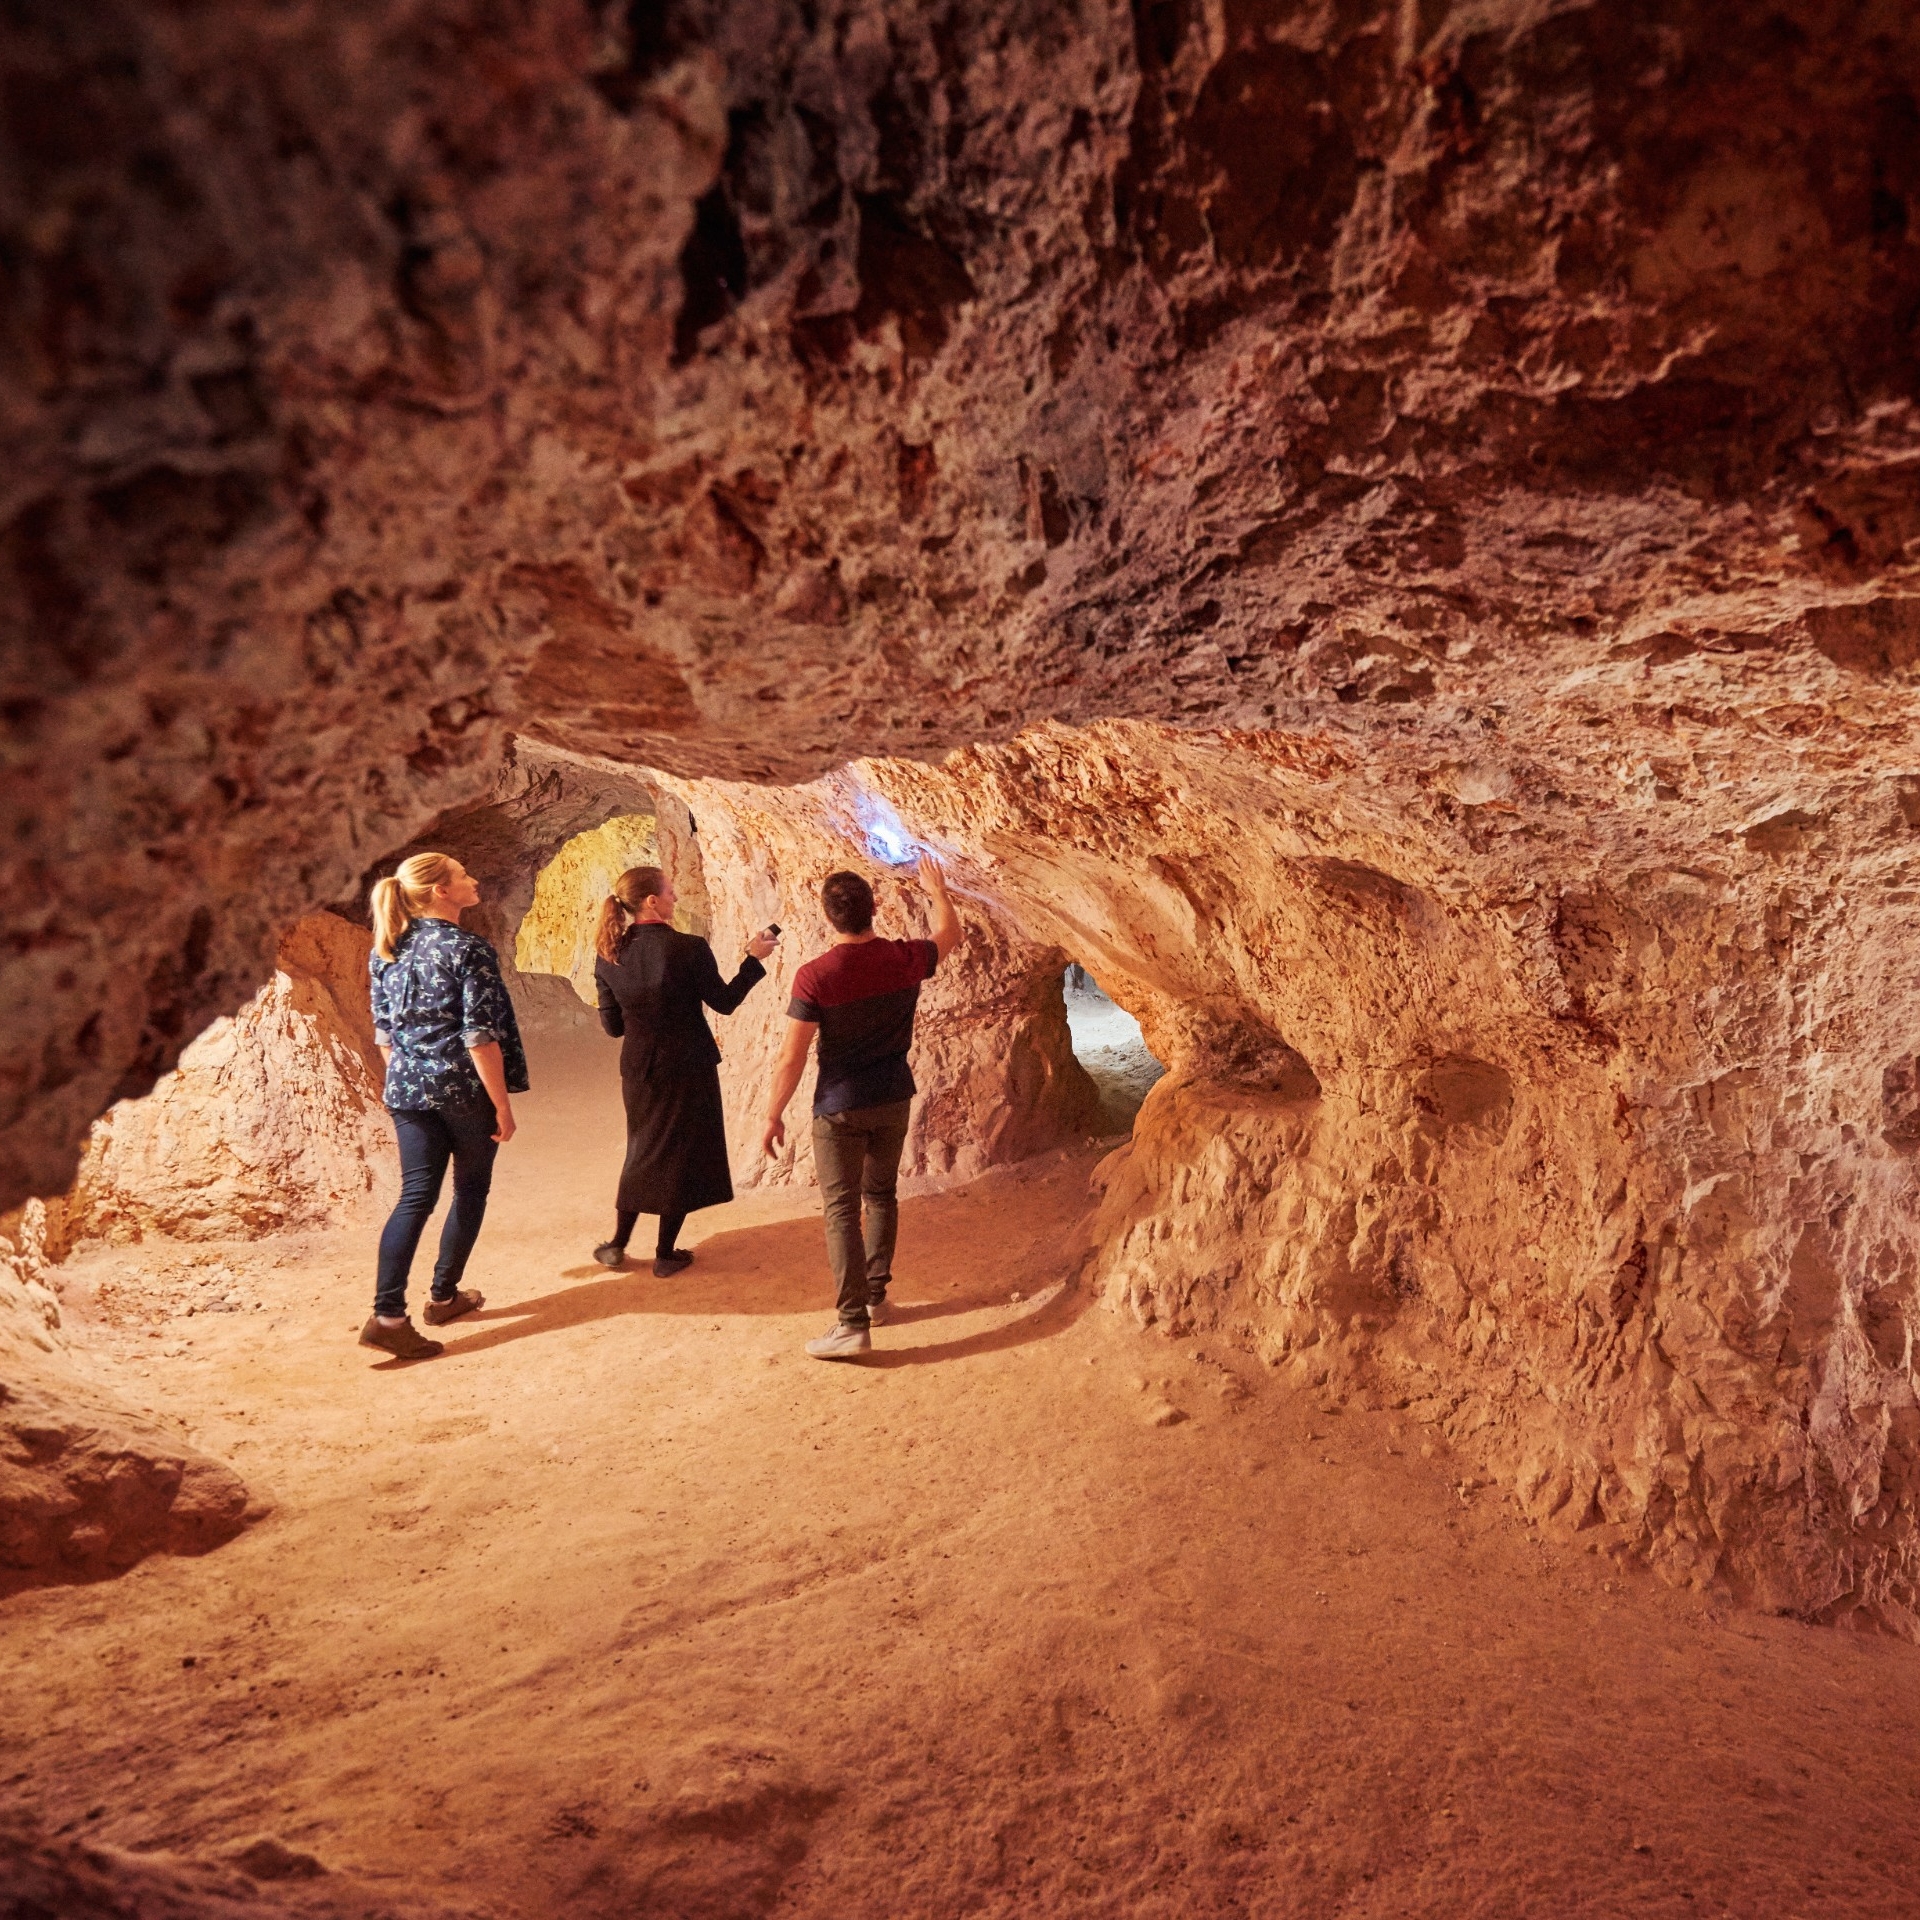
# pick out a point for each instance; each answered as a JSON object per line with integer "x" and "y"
{"x": 666, "y": 1265}
{"x": 610, "y": 1253}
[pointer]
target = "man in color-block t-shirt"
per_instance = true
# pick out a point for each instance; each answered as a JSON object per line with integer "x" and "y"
{"x": 859, "y": 997}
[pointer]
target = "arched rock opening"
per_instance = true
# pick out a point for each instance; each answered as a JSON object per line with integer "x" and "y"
{"x": 1108, "y": 1043}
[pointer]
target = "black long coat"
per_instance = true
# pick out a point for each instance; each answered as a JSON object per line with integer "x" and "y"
{"x": 669, "y": 1066}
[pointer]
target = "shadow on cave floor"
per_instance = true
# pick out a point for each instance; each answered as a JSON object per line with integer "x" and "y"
{"x": 763, "y": 1255}
{"x": 781, "y": 1269}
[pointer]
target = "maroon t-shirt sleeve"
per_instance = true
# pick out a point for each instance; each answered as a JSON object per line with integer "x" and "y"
{"x": 858, "y": 973}
{"x": 803, "y": 1006}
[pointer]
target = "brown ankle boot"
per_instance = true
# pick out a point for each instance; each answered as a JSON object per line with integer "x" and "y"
{"x": 404, "y": 1342}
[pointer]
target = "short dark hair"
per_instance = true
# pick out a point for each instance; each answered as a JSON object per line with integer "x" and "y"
{"x": 848, "y": 901}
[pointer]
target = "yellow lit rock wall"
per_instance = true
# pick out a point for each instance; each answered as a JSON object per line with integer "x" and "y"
{"x": 557, "y": 934}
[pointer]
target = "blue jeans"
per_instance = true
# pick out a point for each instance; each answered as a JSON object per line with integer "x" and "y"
{"x": 430, "y": 1137}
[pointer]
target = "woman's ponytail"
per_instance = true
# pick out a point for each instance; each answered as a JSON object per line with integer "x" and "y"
{"x": 606, "y": 936}
{"x": 399, "y": 900}
{"x": 630, "y": 893}
{"x": 390, "y": 917}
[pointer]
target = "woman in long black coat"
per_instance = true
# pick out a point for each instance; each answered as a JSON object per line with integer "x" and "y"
{"x": 652, "y": 984}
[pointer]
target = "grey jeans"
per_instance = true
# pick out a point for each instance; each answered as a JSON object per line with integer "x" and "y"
{"x": 857, "y": 1156}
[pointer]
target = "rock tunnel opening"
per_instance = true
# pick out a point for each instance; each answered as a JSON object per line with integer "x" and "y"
{"x": 1109, "y": 1044}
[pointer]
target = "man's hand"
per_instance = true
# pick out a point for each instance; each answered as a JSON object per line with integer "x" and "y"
{"x": 762, "y": 944}
{"x": 946, "y": 923}
{"x": 787, "y": 1070}
{"x": 503, "y": 1124}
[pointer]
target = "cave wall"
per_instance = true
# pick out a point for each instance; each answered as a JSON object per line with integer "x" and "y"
{"x": 1611, "y": 1172}
{"x": 742, "y": 389}
{"x": 271, "y": 1121}
{"x": 992, "y": 1055}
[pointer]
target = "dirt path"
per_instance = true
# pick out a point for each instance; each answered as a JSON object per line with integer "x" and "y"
{"x": 625, "y": 1607}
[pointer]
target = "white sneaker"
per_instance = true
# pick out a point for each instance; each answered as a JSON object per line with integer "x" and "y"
{"x": 878, "y": 1312}
{"x": 843, "y": 1343}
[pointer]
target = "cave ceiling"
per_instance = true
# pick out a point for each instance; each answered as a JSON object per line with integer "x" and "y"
{"x": 1519, "y": 396}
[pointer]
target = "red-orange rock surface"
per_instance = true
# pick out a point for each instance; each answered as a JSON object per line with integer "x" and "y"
{"x": 87, "y": 1486}
{"x": 1478, "y": 447}
{"x": 1581, "y": 1169}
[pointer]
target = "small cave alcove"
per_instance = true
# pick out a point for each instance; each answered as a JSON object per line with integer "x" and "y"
{"x": 1108, "y": 1043}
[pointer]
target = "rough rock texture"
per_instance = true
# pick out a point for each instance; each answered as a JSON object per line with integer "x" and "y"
{"x": 1491, "y": 428}
{"x": 87, "y": 1486}
{"x": 556, "y": 934}
{"x": 738, "y": 389}
{"x": 267, "y": 1880}
{"x": 272, "y": 1119}
{"x": 992, "y": 1054}
{"x": 33, "y": 1240}
{"x": 1612, "y": 1174}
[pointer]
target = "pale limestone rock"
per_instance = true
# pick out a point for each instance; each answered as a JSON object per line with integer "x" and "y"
{"x": 272, "y": 1119}
{"x": 992, "y": 1055}
{"x": 33, "y": 1240}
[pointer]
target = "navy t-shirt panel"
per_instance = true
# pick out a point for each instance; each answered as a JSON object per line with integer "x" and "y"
{"x": 863, "y": 997}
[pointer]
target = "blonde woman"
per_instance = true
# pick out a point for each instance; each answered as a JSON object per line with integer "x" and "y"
{"x": 454, "y": 1061}
{"x": 652, "y": 984}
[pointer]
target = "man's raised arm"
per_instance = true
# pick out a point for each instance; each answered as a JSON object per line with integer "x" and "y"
{"x": 945, "y": 931}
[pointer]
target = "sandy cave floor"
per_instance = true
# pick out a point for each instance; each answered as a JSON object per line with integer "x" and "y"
{"x": 626, "y": 1607}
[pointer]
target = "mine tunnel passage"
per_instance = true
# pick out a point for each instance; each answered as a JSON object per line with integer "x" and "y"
{"x": 588, "y": 1433}
{"x": 1108, "y": 1043}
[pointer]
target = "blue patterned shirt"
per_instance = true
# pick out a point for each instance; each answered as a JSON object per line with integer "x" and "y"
{"x": 440, "y": 994}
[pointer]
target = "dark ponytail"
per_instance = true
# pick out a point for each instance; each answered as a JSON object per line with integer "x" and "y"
{"x": 630, "y": 893}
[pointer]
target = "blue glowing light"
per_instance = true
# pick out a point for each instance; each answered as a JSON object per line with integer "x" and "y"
{"x": 889, "y": 844}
